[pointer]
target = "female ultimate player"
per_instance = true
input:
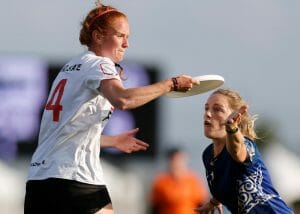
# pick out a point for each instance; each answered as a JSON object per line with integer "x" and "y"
{"x": 65, "y": 173}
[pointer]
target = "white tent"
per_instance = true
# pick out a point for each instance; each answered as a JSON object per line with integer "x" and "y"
{"x": 124, "y": 186}
{"x": 284, "y": 167}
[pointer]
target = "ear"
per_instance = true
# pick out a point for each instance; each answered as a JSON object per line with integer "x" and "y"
{"x": 97, "y": 37}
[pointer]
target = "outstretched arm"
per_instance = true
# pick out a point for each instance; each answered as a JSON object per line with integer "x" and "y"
{"x": 129, "y": 98}
{"x": 124, "y": 142}
{"x": 235, "y": 139}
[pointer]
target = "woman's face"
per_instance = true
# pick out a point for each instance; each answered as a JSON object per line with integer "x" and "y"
{"x": 115, "y": 41}
{"x": 217, "y": 111}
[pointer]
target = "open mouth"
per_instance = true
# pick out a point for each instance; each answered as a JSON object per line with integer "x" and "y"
{"x": 207, "y": 123}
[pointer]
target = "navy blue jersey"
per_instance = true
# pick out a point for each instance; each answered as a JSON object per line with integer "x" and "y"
{"x": 242, "y": 187}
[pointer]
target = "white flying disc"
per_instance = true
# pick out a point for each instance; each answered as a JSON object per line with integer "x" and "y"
{"x": 207, "y": 83}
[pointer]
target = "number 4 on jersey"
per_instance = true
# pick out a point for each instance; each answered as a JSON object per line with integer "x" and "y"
{"x": 55, "y": 106}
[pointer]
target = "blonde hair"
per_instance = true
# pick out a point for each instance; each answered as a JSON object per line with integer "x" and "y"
{"x": 236, "y": 102}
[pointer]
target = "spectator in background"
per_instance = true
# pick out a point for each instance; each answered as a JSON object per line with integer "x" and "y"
{"x": 178, "y": 190}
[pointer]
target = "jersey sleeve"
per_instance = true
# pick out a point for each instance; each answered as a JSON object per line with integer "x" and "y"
{"x": 101, "y": 70}
{"x": 251, "y": 152}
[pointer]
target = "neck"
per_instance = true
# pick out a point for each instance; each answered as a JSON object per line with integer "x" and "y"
{"x": 217, "y": 147}
{"x": 178, "y": 174}
{"x": 95, "y": 50}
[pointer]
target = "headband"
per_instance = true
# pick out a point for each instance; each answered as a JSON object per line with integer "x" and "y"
{"x": 101, "y": 14}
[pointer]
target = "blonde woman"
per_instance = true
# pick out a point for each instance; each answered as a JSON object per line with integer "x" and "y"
{"x": 235, "y": 172}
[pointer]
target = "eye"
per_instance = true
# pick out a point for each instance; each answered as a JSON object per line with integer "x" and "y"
{"x": 121, "y": 35}
{"x": 218, "y": 109}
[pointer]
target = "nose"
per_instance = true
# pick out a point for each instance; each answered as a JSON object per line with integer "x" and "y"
{"x": 125, "y": 43}
{"x": 207, "y": 114}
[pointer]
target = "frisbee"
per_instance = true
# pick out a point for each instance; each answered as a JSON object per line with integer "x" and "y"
{"x": 207, "y": 83}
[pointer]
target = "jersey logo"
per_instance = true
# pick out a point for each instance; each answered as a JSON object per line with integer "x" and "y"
{"x": 108, "y": 114}
{"x": 107, "y": 71}
{"x": 251, "y": 192}
{"x": 74, "y": 67}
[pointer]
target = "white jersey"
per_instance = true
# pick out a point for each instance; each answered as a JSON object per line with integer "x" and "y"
{"x": 72, "y": 122}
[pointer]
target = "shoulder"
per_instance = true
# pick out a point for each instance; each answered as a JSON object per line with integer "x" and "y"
{"x": 207, "y": 155}
{"x": 161, "y": 179}
{"x": 192, "y": 175}
{"x": 250, "y": 145}
{"x": 161, "y": 176}
{"x": 207, "y": 151}
{"x": 252, "y": 151}
{"x": 99, "y": 65}
{"x": 91, "y": 58}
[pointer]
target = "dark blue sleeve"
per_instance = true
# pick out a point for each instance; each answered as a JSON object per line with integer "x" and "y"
{"x": 252, "y": 152}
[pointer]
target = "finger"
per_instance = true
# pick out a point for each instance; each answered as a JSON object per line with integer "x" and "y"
{"x": 196, "y": 82}
{"x": 136, "y": 148}
{"x": 231, "y": 119}
{"x": 220, "y": 210}
{"x": 199, "y": 210}
{"x": 132, "y": 131}
{"x": 143, "y": 147}
{"x": 186, "y": 76}
{"x": 141, "y": 143}
{"x": 235, "y": 116}
{"x": 243, "y": 109}
{"x": 128, "y": 151}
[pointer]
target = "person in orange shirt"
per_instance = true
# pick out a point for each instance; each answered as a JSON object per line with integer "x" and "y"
{"x": 178, "y": 190}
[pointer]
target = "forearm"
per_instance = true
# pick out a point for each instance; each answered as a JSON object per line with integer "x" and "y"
{"x": 135, "y": 97}
{"x": 128, "y": 98}
{"x": 235, "y": 144}
{"x": 107, "y": 141}
{"x": 125, "y": 142}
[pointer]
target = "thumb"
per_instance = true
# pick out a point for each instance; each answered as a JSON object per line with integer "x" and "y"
{"x": 243, "y": 109}
{"x": 196, "y": 82}
{"x": 132, "y": 131}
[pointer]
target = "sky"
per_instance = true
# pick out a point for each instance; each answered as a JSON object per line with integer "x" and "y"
{"x": 253, "y": 44}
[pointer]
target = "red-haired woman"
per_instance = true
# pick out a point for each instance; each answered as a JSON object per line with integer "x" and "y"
{"x": 65, "y": 173}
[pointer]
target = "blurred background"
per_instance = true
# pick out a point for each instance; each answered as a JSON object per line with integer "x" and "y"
{"x": 254, "y": 45}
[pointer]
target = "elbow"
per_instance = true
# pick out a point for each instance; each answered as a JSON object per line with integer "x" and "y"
{"x": 239, "y": 157}
{"x": 123, "y": 100}
{"x": 236, "y": 154}
{"x": 121, "y": 104}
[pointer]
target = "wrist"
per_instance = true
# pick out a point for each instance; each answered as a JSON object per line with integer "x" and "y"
{"x": 231, "y": 130}
{"x": 175, "y": 84}
{"x": 113, "y": 142}
{"x": 214, "y": 202}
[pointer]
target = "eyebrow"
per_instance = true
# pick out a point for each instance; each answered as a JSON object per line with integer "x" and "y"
{"x": 216, "y": 104}
{"x": 220, "y": 105}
